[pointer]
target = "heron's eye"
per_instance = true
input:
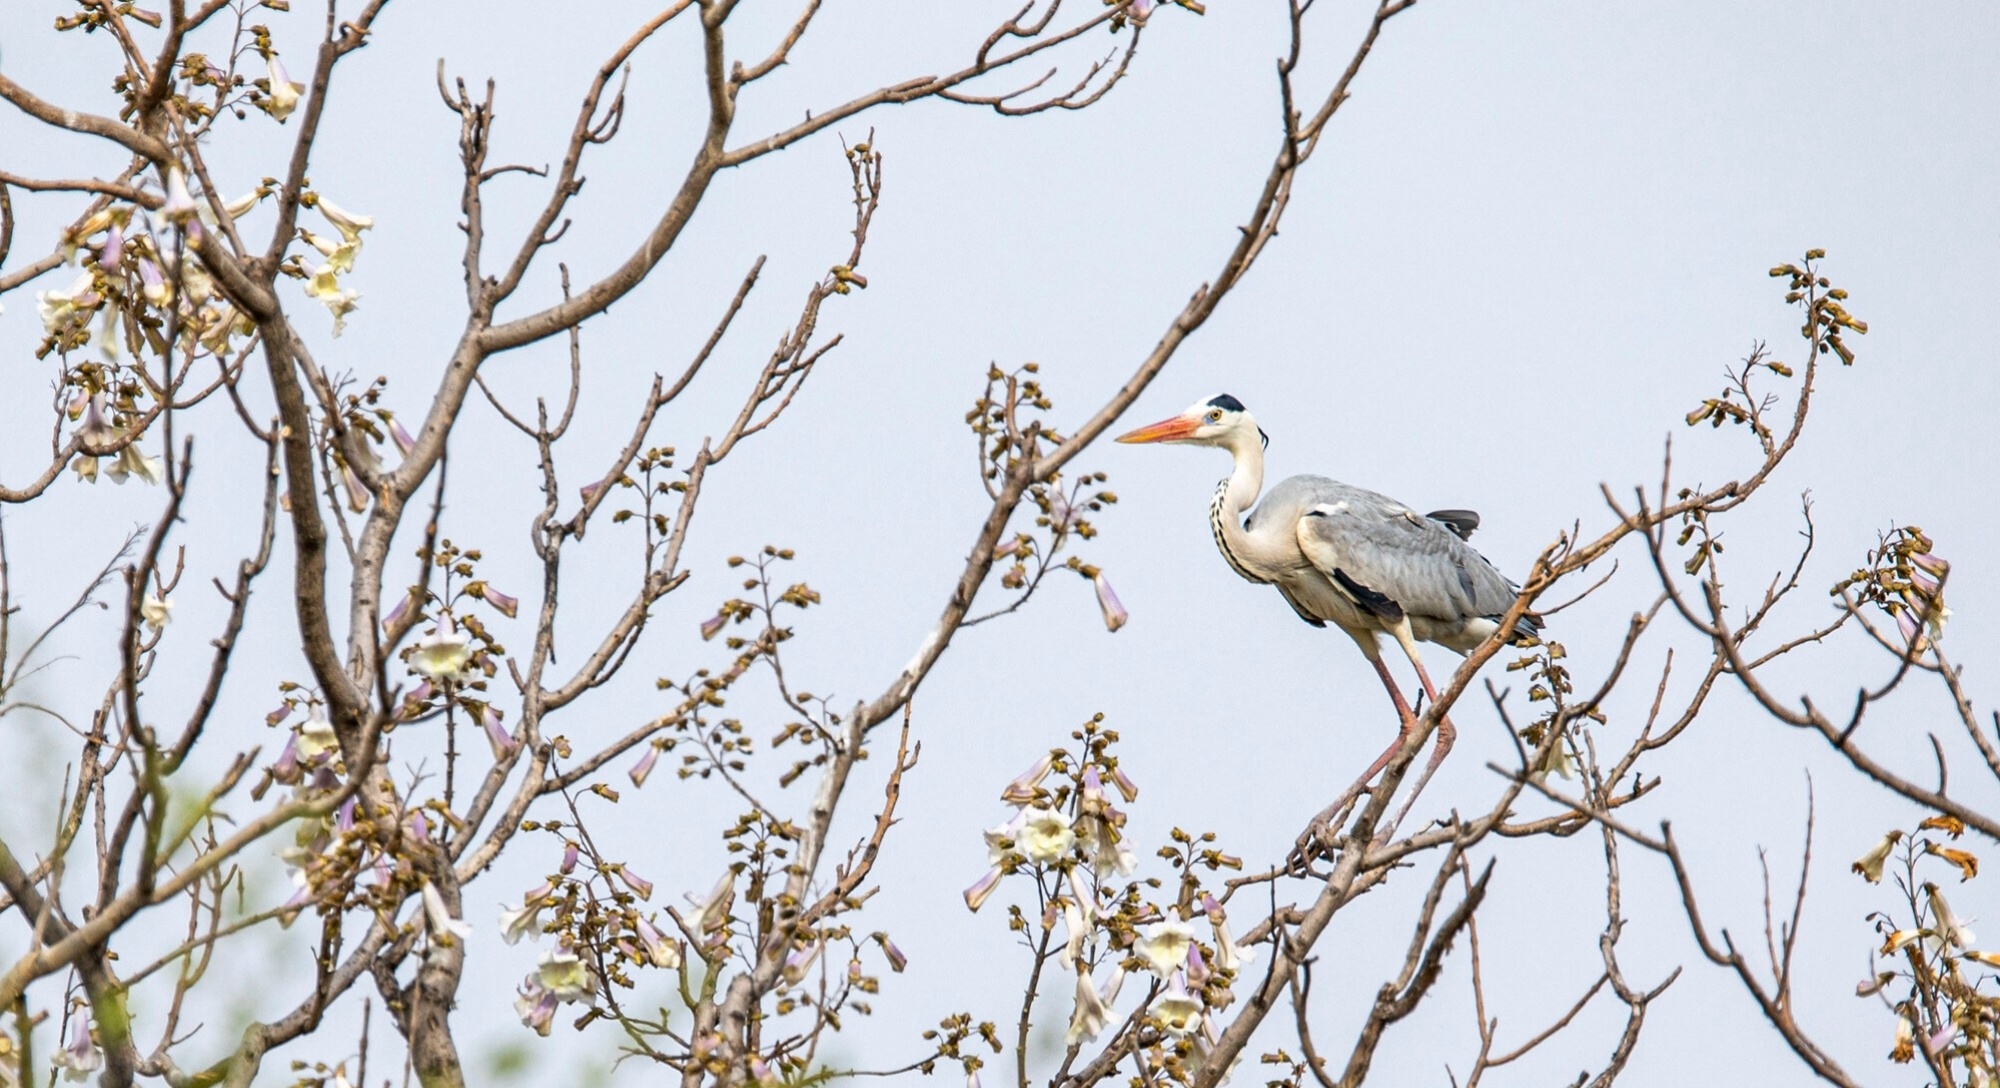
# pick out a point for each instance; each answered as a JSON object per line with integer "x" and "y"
{"x": 1215, "y": 416}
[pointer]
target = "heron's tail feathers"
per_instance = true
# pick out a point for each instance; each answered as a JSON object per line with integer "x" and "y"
{"x": 1527, "y": 630}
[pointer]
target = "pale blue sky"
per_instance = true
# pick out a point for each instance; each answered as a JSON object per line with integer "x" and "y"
{"x": 1530, "y": 244}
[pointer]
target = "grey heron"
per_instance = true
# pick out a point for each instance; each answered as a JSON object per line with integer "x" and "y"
{"x": 1347, "y": 556}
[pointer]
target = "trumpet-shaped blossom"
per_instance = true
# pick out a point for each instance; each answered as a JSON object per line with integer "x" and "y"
{"x": 444, "y": 928}
{"x": 1229, "y": 956}
{"x": 404, "y": 443}
{"x": 81, "y": 1057}
{"x": 71, "y": 305}
{"x": 1045, "y": 835}
{"x": 507, "y": 606}
{"x": 339, "y": 255}
{"x": 799, "y": 962}
{"x": 156, "y": 610}
{"x": 112, "y": 252}
{"x": 660, "y": 951}
{"x": 1869, "y": 865}
{"x": 1127, "y": 789}
{"x": 180, "y": 206}
{"x": 1076, "y": 929}
{"x": 712, "y": 913}
{"x": 444, "y": 654}
{"x": 1947, "y": 930}
{"x": 131, "y": 462}
{"x": 347, "y": 223}
{"x": 322, "y": 285}
{"x": 1021, "y": 791}
{"x": 975, "y": 896}
{"x": 1164, "y": 946}
{"x": 640, "y": 886}
{"x": 317, "y": 742}
{"x": 710, "y": 626}
{"x": 1000, "y": 839}
{"x": 502, "y": 742}
{"x": 1906, "y": 1038}
{"x": 536, "y": 1006}
{"x": 242, "y": 205}
{"x": 644, "y": 767}
{"x": 1177, "y": 1010}
{"x": 526, "y": 919}
{"x": 897, "y": 961}
{"x": 564, "y": 975}
{"x": 1107, "y": 602}
{"x": 1091, "y": 1016}
{"x": 395, "y": 615}
{"x": 284, "y": 93}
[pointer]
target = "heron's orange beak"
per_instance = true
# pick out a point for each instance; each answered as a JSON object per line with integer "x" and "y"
{"x": 1179, "y": 428}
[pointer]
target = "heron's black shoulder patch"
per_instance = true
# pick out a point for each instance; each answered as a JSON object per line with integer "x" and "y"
{"x": 1376, "y": 603}
{"x": 1227, "y": 403}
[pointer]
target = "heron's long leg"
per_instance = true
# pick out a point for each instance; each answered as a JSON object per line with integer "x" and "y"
{"x": 1337, "y": 811}
{"x": 1447, "y": 732}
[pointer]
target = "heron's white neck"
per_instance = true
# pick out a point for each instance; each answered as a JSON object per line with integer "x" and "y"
{"x": 1235, "y": 495}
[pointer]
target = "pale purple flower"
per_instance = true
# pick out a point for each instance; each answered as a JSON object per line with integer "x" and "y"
{"x": 395, "y": 615}
{"x": 975, "y": 896}
{"x": 712, "y": 625}
{"x": 799, "y": 962}
{"x": 1177, "y": 1010}
{"x": 640, "y": 886}
{"x": 659, "y": 950}
{"x": 420, "y": 828}
{"x": 536, "y": 1006}
{"x": 644, "y": 767}
{"x": 761, "y": 1071}
{"x": 81, "y": 1057}
{"x": 712, "y": 913}
{"x": 1931, "y": 564}
{"x": 180, "y": 206}
{"x": 1138, "y": 10}
{"x": 112, "y": 252}
{"x": 404, "y": 443}
{"x": 502, "y": 742}
{"x": 508, "y": 606}
{"x": 153, "y": 286}
{"x": 1107, "y": 601}
{"x": 96, "y": 430}
{"x": 284, "y": 93}
{"x": 1126, "y": 787}
{"x": 569, "y": 858}
{"x": 1007, "y": 547}
{"x": 444, "y": 928}
{"x": 1197, "y": 968}
{"x": 897, "y": 961}
{"x": 1021, "y": 791}
{"x": 526, "y": 919}
{"x": 278, "y": 715}
{"x": 286, "y": 770}
{"x": 357, "y": 492}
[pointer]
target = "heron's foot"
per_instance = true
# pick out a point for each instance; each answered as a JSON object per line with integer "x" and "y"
{"x": 1321, "y": 838}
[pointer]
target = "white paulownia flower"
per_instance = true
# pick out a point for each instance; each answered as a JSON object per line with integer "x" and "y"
{"x": 1869, "y": 865}
{"x": 1045, "y": 835}
{"x": 1164, "y": 946}
{"x": 156, "y": 611}
{"x": 284, "y": 93}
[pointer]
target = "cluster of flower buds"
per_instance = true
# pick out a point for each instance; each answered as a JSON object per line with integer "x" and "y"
{"x": 1932, "y": 977}
{"x": 1906, "y": 579}
{"x": 1069, "y": 836}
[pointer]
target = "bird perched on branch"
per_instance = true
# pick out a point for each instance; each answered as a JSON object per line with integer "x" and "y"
{"x": 1350, "y": 557}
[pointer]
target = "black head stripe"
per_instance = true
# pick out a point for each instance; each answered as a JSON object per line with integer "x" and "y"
{"x": 1227, "y": 403}
{"x": 1265, "y": 437}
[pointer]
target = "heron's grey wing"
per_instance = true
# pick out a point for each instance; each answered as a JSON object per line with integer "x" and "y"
{"x": 1391, "y": 560}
